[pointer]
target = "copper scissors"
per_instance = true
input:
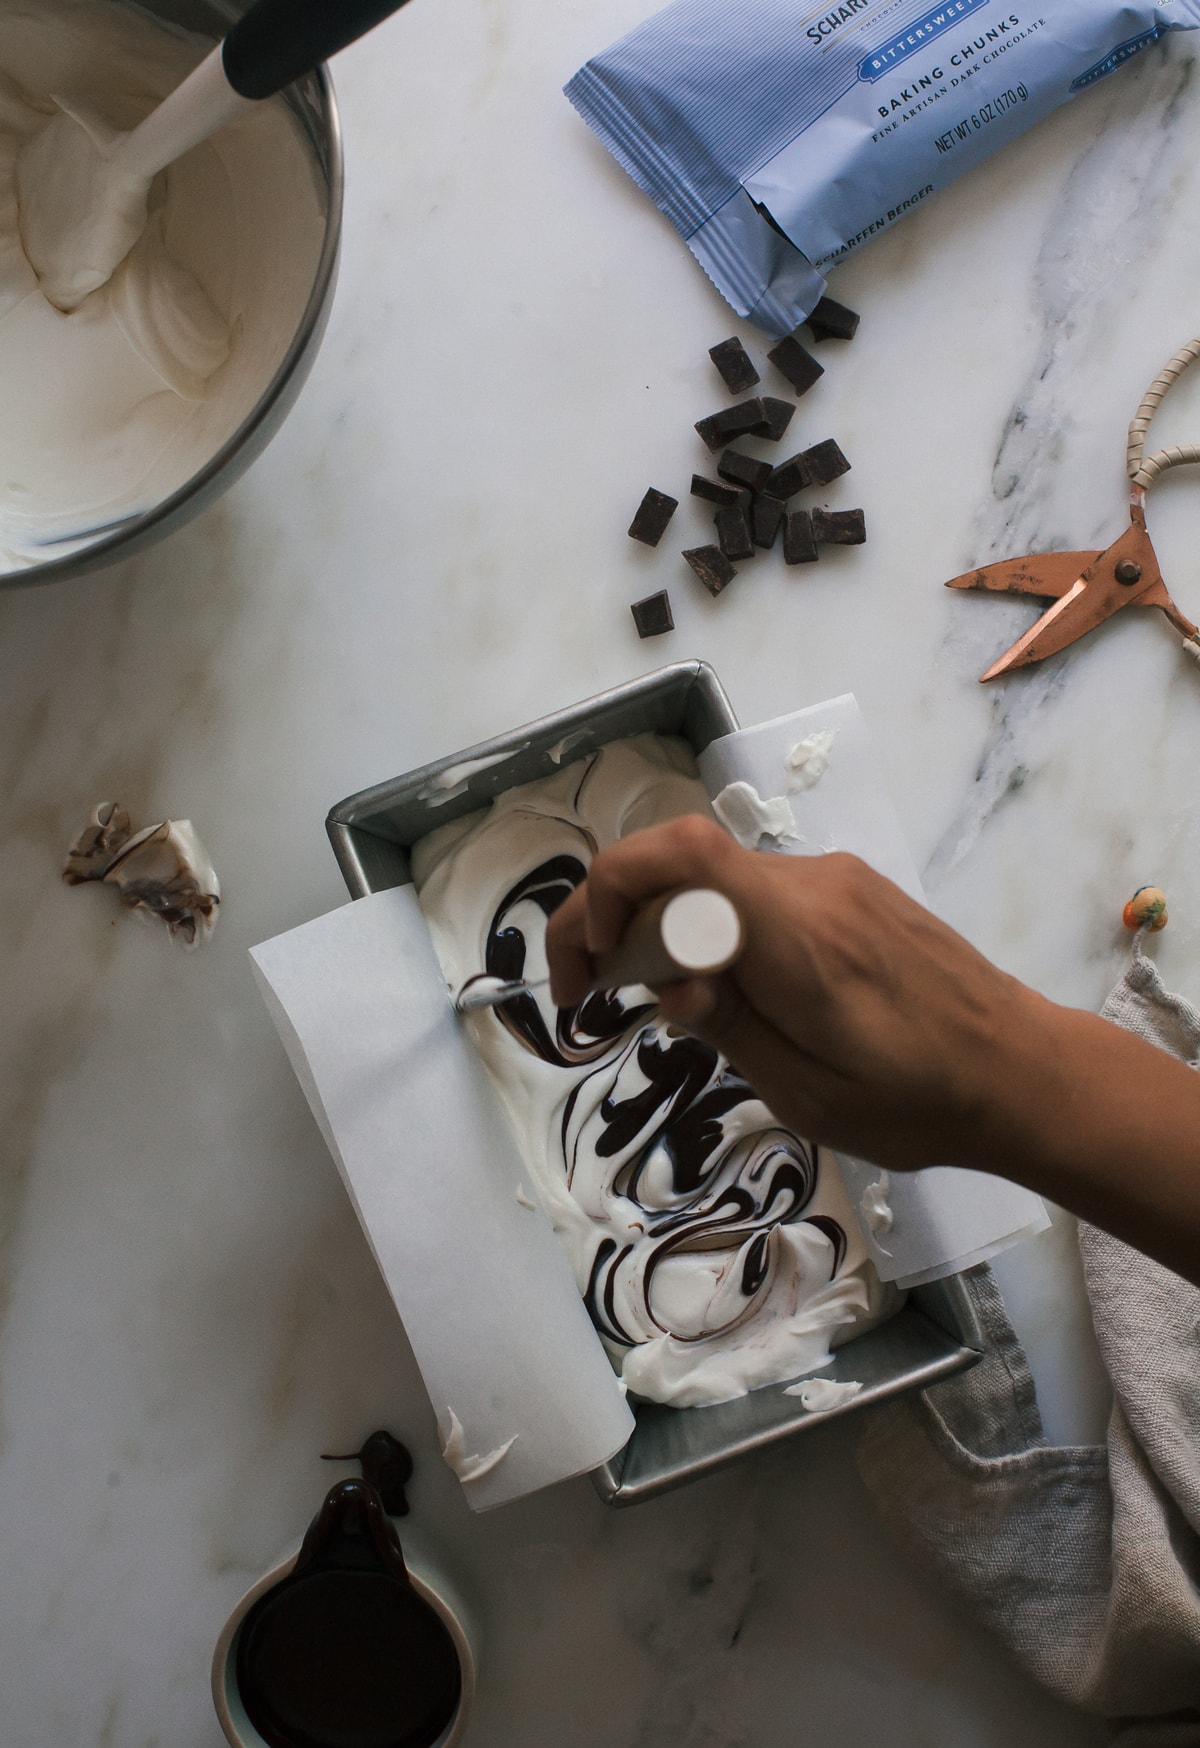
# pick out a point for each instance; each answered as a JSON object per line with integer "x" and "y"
{"x": 1085, "y": 588}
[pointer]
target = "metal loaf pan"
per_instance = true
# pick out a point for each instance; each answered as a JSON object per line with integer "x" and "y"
{"x": 933, "y": 1336}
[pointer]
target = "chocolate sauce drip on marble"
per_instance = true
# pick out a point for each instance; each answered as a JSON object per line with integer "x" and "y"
{"x": 387, "y": 1466}
{"x": 343, "y": 1653}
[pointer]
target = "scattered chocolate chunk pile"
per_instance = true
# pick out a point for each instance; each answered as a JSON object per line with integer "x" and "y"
{"x": 653, "y": 615}
{"x": 653, "y": 514}
{"x": 752, "y": 497}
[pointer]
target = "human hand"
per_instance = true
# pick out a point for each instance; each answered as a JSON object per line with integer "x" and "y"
{"x": 862, "y": 1020}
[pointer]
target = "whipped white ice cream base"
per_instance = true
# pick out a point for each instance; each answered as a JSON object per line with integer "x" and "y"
{"x": 108, "y": 410}
{"x": 715, "y": 1250}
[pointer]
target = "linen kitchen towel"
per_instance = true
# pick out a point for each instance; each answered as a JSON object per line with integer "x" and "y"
{"x": 1085, "y": 1560}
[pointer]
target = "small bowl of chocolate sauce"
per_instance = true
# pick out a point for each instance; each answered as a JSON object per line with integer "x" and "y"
{"x": 345, "y": 1644}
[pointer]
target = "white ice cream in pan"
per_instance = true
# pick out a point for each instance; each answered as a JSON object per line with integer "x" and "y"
{"x": 109, "y": 409}
{"x": 715, "y": 1250}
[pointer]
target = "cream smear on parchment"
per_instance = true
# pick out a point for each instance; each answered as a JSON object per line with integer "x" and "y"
{"x": 715, "y": 1250}
{"x": 108, "y": 410}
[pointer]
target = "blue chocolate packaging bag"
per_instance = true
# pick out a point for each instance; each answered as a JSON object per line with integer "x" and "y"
{"x": 777, "y": 137}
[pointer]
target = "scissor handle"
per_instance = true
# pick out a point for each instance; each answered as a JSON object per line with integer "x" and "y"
{"x": 1143, "y": 470}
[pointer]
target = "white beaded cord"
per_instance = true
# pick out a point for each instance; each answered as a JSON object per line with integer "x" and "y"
{"x": 1143, "y": 471}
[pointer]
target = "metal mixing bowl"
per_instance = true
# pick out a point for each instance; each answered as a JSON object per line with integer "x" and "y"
{"x": 312, "y": 101}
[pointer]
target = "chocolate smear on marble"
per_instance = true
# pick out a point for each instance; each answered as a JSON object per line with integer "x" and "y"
{"x": 387, "y": 1466}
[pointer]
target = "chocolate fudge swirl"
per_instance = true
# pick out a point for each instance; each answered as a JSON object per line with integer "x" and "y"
{"x": 581, "y": 1033}
{"x": 699, "y": 1166}
{"x": 715, "y": 1250}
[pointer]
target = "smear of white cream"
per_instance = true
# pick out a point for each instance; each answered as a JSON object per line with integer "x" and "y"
{"x": 577, "y": 739}
{"x": 875, "y": 1207}
{"x": 819, "y": 1395}
{"x": 807, "y": 762}
{"x": 454, "y": 1452}
{"x": 455, "y": 779}
{"x": 750, "y": 818}
{"x": 524, "y": 1198}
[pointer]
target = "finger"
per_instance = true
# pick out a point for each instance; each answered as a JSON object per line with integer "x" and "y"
{"x": 567, "y": 956}
{"x": 648, "y": 863}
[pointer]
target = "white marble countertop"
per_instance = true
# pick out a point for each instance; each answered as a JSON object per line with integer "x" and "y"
{"x": 431, "y": 551}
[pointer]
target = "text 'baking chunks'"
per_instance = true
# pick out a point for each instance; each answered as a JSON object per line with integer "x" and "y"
{"x": 799, "y": 366}
{"x": 788, "y": 478}
{"x": 711, "y": 566}
{"x": 778, "y": 416}
{"x": 799, "y": 547}
{"x": 833, "y": 321}
{"x": 733, "y": 533}
{"x": 652, "y": 616}
{"x": 653, "y": 514}
{"x": 839, "y": 527}
{"x": 739, "y": 420}
{"x": 825, "y": 462}
{"x": 765, "y": 518}
{"x": 709, "y": 488}
{"x": 743, "y": 470}
{"x": 733, "y": 361}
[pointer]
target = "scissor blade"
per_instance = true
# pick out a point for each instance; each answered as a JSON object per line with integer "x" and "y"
{"x": 1048, "y": 574}
{"x": 1095, "y": 596}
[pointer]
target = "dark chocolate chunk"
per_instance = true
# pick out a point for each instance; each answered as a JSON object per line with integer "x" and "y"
{"x": 731, "y": 422}
{"x": 833, "y": 321}
{"x": 765, "y": 519}
{"x": 652, "y": 616}
{"x": 799, "y": 547}
{"x": 788, "y": 478}
{"x": 712, "y": 567}
{"x": 743, "y": 470}
{"x": 733, "y": 533}
{"x": 825, "y": 462}
{"x": 778, "y": 416}
{"x": 733, "y": 361}
{"x": 799, "y": 366}
{"x": 716, "y": 494}
{"x": 653, "y": 514}
{"x": 839, "y": 527}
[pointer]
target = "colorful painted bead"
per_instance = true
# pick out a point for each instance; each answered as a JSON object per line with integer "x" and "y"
{"x": 1147, "y": 909}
